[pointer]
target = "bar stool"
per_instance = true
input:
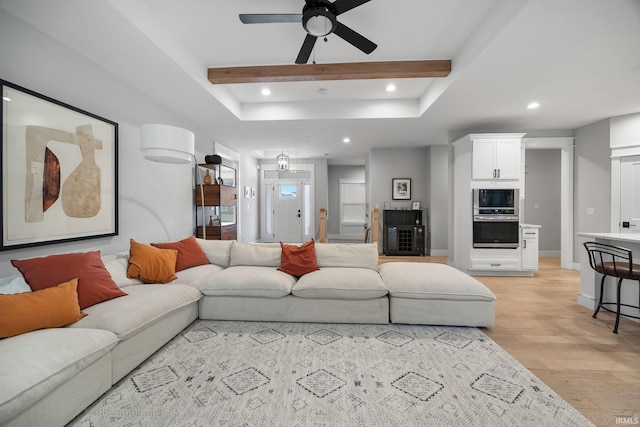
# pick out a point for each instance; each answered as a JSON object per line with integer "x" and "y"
{"x": 614, "y": 261}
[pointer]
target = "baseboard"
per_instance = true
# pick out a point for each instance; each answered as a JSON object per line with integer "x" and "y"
{"x": 586, "y": 301}
{"x": 439, "y": 252}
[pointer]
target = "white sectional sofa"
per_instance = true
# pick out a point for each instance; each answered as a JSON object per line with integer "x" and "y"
{"x": 49, "y": 376}
{"x": 346, "y": 289}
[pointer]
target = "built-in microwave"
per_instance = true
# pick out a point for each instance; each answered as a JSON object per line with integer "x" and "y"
{"x": 496, "y": 201}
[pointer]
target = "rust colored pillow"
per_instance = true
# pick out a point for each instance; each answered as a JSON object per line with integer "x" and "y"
{"x": 298, "y": 260}
{"x": 190, "y": 254}
{"x": 94, "y": 281}
{"x": 151, "y": 265}
{"x": 52, "y": 307}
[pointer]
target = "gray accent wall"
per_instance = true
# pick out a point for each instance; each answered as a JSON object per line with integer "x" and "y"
{"x": 542, "y": 197}
{"x": 439, "y": 190}
{"x": 384, "y": 164}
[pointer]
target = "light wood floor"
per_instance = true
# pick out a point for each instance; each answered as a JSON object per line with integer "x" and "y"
{"x": 539, "y": 323}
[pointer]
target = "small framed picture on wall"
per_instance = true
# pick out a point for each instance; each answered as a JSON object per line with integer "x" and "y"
{"x": 401, "y": 188}
{"x": 415, "y": 206}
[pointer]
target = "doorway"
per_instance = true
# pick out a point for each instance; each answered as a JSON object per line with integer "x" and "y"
{"x": 565, "y": 145}
{"x": 287, "y": 206}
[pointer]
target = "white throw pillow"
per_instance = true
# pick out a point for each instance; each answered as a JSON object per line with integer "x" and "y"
{"x": 257, "y": 254}
{"x": 13, "y": 285}
{"x": 218, "y": 252}
{"x": 363, "y": 255}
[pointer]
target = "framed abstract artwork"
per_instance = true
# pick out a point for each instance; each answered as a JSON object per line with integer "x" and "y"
{"x": 401, "y": 188}
{"x": 59, "y": 178}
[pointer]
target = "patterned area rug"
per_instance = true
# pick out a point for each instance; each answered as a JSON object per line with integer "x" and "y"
{"x": 308, "y": 374}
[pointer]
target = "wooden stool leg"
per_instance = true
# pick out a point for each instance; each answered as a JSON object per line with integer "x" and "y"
{"x": 595, "y": 313}
{"x": 615, "y": 328}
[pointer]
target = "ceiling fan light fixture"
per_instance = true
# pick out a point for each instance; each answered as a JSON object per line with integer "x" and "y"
{"x": 319, "y": 21}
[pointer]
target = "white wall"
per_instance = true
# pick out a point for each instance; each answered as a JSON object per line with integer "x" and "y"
{"x": 625, "y": 131}
{"x": 248, "y": 209}
{"x": 592, "y": 181}
{"x": 155, "y": 200}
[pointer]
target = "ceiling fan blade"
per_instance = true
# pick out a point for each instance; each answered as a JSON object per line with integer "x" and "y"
{"x": 356, "y": 39}
{"x": 342, "y": 6}
{"x": 269, "y": 18}
{"x": 305, "y": 50}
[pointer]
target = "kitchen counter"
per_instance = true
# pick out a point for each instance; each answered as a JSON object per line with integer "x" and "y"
{"x": 614, "y": 237}
{"x": 590, "y": 280}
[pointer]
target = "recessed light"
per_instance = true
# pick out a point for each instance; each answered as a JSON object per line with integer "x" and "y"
{"x": 346, "y": 140}
{"x": 533, "y": 105}
{"x": 6, "y": 98}
{"x": 391, "y": 88}
{"x": 265, "y": 92}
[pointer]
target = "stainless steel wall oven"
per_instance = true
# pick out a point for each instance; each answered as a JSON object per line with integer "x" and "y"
{"x": 496, "y": 220}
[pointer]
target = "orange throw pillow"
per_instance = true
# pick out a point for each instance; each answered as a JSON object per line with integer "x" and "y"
{"x": 94, "y": 281}
{"x": 190, "y": 254}
{"x": 52, "y": 307}
{"x": 151, "y": 265}
{"x": 298, "y": 260}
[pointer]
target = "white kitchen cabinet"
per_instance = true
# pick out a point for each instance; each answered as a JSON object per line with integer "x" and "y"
{"x": 529, "y": 237}
{"x": 496, "y": 159}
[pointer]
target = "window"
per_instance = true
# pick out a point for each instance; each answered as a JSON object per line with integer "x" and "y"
{"x": 352, "y": 202}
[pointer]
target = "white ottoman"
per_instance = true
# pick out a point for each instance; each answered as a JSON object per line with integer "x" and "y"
{"x": 436, "y": 294}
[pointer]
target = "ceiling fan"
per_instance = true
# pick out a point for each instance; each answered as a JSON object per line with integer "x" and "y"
{"x": 319, "y": 19}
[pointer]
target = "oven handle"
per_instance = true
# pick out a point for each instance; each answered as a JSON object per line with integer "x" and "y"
{"x": 496, "y": 218}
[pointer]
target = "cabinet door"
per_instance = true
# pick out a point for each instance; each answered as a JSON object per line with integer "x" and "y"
{"x": 508, "y": 158}
{"x": 483, "y": 159}
{"x": 530, "y": 249}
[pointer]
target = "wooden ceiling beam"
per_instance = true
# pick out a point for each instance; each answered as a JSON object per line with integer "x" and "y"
{"x": 344, "y": 71}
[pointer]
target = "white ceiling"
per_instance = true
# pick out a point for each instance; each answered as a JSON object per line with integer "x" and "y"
{"x": 580, "y": 59}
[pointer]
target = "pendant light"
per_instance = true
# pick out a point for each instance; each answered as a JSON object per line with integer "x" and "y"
{"x": 282, "y": 162}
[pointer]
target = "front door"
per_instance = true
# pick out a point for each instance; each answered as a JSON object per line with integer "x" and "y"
{"x": 288, "y": 212}
{"x": 630, "y": 195}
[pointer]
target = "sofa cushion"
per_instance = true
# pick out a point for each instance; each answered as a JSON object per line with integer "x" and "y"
{"x": 151, "y": 265}
{"x": 298, "y": 260}
{"x": 142, "y": 307}
{"x": 34, "y": 364}
{"x": 362, "y": 255}
{"x": 253, "y": 281}
{"x": 47, "y": 308}
{"x": 194, "y": 276}
{"x": 262, "y": 255}
{"x": 218, "y": 252}
{"x": 94, "y": 281}
{"x": 190, "y": 254}
{"x": 432, "y": 281}
{"x": 341, "y": 283}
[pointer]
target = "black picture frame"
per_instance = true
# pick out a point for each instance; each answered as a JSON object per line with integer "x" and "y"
{"x": 59, "y": 180}
{"x": 401, "y": 188}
